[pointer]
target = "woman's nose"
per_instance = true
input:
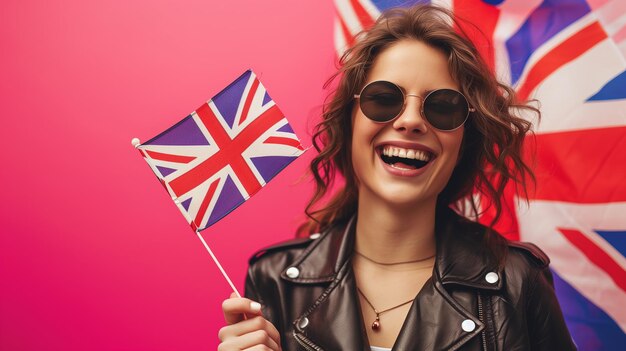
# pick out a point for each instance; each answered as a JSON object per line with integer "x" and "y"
{"x": 411, "y": 119}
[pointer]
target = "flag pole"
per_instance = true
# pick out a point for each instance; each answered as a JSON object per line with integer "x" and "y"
{"x": 218, "y": 264}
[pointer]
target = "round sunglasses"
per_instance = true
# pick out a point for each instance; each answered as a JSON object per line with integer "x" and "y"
{"x": 383, "y": 101}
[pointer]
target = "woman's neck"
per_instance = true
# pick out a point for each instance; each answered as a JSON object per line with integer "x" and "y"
{"x": 389, "y": 233}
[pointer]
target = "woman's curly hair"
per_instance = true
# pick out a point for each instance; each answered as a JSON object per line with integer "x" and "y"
{"x": 491, "y": 152}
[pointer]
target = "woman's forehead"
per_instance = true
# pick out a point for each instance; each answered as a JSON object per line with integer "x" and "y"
{"x": 412, "y": 64}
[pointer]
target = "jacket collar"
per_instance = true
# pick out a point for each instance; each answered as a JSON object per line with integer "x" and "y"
{"x": 324, "y": 258}
{"x": 461, "y": 255}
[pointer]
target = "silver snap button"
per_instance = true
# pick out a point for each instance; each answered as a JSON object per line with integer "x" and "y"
{"x": 292, "y": 272}
{"x": 315, "y": 236}
{"x": 492, "y": 277}
{"x": 303, "y": 323}
{"x": 468, "y": 325}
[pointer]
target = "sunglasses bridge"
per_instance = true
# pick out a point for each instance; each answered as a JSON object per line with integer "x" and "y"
{"x": 422, "y": 99}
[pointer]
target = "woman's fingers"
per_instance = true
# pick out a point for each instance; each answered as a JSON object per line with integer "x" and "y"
{"x": 249, "y": 326}
{"x": 257, "y": 339}
{"x": 235, "y": 308}
{"x": 246, "y": 329}
{"x": 258, "y": 348}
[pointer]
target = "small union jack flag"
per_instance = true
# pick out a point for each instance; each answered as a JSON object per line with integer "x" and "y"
{"x": 222, "y": 153}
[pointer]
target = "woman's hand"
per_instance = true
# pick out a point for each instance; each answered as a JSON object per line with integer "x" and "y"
{"x": 246, "y": 329}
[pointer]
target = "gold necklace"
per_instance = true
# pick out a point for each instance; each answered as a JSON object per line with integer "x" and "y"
{"x": 376, "y": 324}
{"x": 393, "y": 263}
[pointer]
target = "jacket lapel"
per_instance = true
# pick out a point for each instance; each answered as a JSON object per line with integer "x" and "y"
{"x": 434, "y": 323}
{"x": 436, "y": 320}
{"x": 333, "y": 321}
{"x": 462, "y": 256}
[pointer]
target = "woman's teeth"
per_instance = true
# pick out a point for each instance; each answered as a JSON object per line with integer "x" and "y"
{"x": 419, "y": 155}
{"x": 405, "y": 159}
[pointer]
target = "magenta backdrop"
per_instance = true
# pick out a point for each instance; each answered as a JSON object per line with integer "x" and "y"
{"x": 93, "y": 254}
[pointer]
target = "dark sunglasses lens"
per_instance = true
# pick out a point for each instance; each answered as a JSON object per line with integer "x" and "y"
{"x": 381, "y": 101}
{"x": 446, "y": 109}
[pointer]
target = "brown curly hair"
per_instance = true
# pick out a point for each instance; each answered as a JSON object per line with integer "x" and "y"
{"x": 491, "y": 154}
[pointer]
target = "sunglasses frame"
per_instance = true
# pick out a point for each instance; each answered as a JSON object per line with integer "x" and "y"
{"x": 404, "y": 96}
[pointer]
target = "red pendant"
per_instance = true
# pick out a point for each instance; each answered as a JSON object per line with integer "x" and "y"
{"x": 376, "y": 325}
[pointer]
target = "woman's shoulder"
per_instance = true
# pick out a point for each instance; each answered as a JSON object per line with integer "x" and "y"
{"x": 477, "y": 236}
{"x": 529, "y": 253}
{"x": 281, "y": 254}
{"x": 526, "y": 267}
{"x": 269, "y": 264}
{"x": 524, "y": 250}
{"x": 309, "y": 259}
{"x": 282, "y": 251}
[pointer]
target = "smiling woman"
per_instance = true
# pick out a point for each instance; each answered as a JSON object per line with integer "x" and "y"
{"x": 417, "y": 125}
{"x": 418, "y": 69}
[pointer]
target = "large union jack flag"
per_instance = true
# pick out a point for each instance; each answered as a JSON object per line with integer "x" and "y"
{"x": 223, "y": 152}
{"x": 568, "y": 54}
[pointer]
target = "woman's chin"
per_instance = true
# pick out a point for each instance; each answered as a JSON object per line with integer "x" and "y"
{"x": 401, "y": 196}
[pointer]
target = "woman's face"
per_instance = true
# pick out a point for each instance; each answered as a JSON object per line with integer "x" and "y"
{"x": 427, "y": 156}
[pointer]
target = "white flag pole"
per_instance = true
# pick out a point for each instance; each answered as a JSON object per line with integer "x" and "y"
{"x": 218, "y": 264}
{"x": 136, "y": 143}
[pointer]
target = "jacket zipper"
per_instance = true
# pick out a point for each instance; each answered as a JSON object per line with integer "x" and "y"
{"x": 481, "y": 317}
{"x": 305, "y": 343}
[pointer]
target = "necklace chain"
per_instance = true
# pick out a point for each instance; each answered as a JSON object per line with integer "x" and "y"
{"x": 393, "y": 263}
{"x": 376, "y": 323}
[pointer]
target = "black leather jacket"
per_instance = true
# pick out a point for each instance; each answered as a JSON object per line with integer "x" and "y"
{"x": 308, "y": 291}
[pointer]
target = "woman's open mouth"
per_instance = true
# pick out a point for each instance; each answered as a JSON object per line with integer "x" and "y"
{"x": 404, "y": 159}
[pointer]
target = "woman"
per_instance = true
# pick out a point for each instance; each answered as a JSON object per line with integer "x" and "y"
{"x": 417, "y": 125}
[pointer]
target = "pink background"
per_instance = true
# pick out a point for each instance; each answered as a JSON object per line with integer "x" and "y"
{"x": 93, "y": 253}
